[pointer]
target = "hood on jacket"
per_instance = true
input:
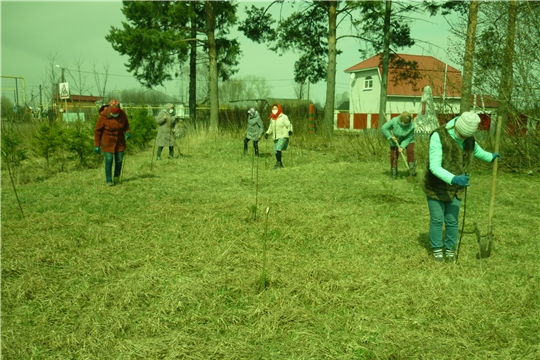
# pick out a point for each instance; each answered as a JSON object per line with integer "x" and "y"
{"x": 105, "y": 111}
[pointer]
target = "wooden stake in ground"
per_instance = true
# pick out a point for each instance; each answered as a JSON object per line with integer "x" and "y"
{"x": 123, "y": 167}
{"x": 411, "y": 176}
{"x": 262, "y": 279}
{"x": 153, "y": 152}
{"x": 486, "y": 242}
{"x": 13, "y": 184}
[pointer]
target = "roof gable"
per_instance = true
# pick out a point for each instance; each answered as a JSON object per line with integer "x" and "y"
{"x": 441, "y": 77}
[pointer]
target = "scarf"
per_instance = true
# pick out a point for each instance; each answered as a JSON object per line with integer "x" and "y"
{"x": 279, "y": 112}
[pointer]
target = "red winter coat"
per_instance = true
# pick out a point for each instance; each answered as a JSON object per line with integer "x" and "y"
{"x": 109, "y": 131}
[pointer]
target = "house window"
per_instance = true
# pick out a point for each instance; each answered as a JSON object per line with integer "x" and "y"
{"x": 368, "y": 83}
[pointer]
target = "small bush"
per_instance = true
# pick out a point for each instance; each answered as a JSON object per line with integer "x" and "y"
{"x": 47, "y": 141}
{"x": 13, "y": 146}
{"x": 78, "y": 140}
{"x": 143, "y": 127}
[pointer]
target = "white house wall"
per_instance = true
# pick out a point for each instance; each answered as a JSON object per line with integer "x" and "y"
{"x": 365, "y": 101}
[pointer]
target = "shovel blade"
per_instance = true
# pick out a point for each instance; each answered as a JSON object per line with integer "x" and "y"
{"x": 484, "y": 246}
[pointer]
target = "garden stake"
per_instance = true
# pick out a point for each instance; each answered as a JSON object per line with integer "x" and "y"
{"x": 462, "y": 224}
{"x": 486, "y": 242}
{"x": 153, "y": 152}
{"x": 252, "y": 166}
{"x": 411, "y": 177}
{"x": 123, "y": 168}
{"x": 13, "y": 184}
{"x": 256, "y": 192}
{"x": 262, "y": 279}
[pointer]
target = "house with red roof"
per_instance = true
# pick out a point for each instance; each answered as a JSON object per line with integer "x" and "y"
{"x": 405, "y": 89}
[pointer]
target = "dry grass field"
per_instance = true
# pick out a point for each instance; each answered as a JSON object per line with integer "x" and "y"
{"x": 167, "y": 265}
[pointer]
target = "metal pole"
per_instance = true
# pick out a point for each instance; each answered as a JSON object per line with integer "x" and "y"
{"x": 16, "y": 92}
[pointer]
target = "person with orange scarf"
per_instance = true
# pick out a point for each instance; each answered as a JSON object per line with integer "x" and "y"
{"x": 280, "y": 128}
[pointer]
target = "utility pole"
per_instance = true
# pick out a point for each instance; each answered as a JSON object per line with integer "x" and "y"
{"x": 40, "y": 103}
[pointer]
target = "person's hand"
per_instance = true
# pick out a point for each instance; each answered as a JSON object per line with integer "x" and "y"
{"x": 266, "y": 136}
{"x": 290, "y": 132}
{"x": 128, "y": 135}
{"x": 496, "y": 155}
{"x": 394, "y": 138}
{"x": 97, "y": 150}
{"x": 461, "y": 180}
{"x": 400, "y": 149}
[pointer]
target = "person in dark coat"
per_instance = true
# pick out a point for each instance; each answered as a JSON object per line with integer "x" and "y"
{"x": 167, "y": 121}
{"x": 255, "y": 130}
{"x": 451, "y": 150}
{"x": 110, "y": 134}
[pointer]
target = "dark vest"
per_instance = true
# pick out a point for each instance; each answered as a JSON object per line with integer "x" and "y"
{"x": 454, "y": 160}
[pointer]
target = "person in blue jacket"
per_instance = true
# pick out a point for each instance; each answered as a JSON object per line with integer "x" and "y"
{"x": 400, "y": 129}
{"x": 451, "y": 149}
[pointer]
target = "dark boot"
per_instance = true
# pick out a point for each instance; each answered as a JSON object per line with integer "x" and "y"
{"x": 278, "y": 165}
{"x": 412, "y": 168}
{"x": 394, "y": 173}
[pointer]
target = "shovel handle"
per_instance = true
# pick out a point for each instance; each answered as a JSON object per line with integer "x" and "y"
{"x": 401, "y": 152}
{"x": 494, "y": 177}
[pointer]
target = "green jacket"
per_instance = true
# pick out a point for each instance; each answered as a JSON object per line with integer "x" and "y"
{"x": 404, "y": 134}
{"x": 449, "y": 156}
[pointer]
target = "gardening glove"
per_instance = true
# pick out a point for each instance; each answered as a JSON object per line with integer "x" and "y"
{"x": 128, "y": 135}
{"x": 290, "y": 132}
{"x": 461, "y": 180}
{"x": 97, "y": 150}
{"x": 266, "y": 136}
{"x": 496, "y": 155}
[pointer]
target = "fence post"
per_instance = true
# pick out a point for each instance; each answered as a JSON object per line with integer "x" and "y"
{"x": 311, "y": 119}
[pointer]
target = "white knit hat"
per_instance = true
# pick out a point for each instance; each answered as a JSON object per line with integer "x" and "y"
{"x": 467, "y": 124}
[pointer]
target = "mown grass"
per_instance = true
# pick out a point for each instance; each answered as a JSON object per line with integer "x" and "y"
{"x": 167, "y": 264}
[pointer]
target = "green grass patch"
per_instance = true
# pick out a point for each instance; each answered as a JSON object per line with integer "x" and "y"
{"x": 167, "y": 265}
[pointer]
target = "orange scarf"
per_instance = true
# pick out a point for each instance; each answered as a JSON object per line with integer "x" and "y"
{"x": 279, "y": 112}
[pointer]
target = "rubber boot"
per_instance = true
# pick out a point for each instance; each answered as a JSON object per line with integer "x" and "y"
{"x": 394, "y": 173}
{"x": 279, "y": 165}
{"x": 412, "y": 168}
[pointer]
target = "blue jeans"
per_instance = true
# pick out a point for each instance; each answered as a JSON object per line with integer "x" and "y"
{"x": 446, "y": 212}
{"x": 117, "y": 164}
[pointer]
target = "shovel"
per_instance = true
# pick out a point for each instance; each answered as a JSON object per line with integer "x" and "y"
{"x": 411, "y": 176}
{"x": 485, "y": 243}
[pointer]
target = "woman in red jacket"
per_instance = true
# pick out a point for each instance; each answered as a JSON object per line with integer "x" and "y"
{"x": 111, "y": 126}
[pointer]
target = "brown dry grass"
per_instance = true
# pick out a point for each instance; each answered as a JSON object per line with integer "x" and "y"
{"x": 167, "y": 264}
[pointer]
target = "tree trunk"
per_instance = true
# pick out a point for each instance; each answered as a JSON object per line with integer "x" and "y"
{"x": 193, "y": 69}
{"x": 213, "y": 71}
{"x": 466, "y": 86}
{"x": 505, "y": 88}
{"x": 331, "y": 71}
{"x": 385, "y": 60}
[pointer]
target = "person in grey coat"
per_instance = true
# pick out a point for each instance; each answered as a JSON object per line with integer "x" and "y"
{"x": 255, "y": 130}
{"x": 166, "y": 120}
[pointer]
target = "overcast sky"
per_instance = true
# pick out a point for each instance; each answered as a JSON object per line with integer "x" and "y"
{"x": 71, "y": 32}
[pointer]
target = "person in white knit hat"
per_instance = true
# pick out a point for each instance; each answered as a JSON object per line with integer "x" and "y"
{"x": 451, "y": 149}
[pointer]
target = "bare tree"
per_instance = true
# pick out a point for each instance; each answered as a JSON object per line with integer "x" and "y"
{"x": 466, "y": 88}
{"x": 299, "y": 90}
{"x": 101, "y": 79}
